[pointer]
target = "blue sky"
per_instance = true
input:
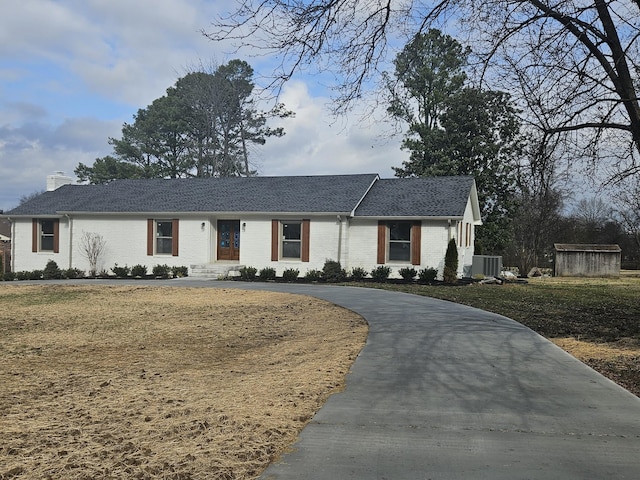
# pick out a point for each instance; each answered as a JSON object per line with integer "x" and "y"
{"x": 73, "y": 71}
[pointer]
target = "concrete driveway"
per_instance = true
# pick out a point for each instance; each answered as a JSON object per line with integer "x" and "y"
{"x": 444, "y": 391}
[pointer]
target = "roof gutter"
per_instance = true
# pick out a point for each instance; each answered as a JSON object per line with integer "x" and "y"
{"x": 295, "y": 214}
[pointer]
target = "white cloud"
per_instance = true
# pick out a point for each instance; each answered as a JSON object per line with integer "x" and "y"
{"x": 74, "y": 70}
{"x": 316, "y": 143}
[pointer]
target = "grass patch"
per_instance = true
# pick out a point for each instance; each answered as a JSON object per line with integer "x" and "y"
{"x": 175, "y": 383}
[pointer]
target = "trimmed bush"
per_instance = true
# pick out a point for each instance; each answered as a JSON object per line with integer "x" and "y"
{"x": 381, "y": 274}
{"x": 290, "y": 274}
{"x": 36, "y": 275}
{"x": 121, "y": 272}
{"x": 138, "y": 271}
{"x": 358, "y": 274}
{"x": 51, "y": 271}
{"x": 450, "y": 274}
{"x": 9, "y": 276}
{"x": 408, "y": 273}
{"x": 428, "y": 275}
{"x": 333, "y": 272}
{"x": 267, "y": 273}
{"x": 23, "y": 275}
{"x": 248, "y": 273}
{"x": 313, "y": 275}
{"x": 161, "y": 271}
{"x": 73, "y": 273}
{"x": 178, "y": 272}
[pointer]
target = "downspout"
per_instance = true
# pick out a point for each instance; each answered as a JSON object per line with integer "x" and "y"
{"x": 340, "y": 239}
{"x": 13, "y": 244}
{"x": 70, "y": 220}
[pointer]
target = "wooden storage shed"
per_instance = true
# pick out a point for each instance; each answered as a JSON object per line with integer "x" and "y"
{"x": 575, "y": 260}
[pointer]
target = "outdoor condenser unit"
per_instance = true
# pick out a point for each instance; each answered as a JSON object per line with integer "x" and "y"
{"x": 489, "y": 266}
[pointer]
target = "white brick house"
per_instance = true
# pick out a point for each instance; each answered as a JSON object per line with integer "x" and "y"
{"x": 223, "y": 223}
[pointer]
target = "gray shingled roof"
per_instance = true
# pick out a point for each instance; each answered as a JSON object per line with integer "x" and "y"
{"x": 417, "y": 197}
{"x": 330, "y": 193}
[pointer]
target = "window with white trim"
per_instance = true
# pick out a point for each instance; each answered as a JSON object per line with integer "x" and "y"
{"x": 399, "y": 246}
{"x": 164, "y": 237}
{"x": 291, "y": 239}
{"x": 47, "y": 236}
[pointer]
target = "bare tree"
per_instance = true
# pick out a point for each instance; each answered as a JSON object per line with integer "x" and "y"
{"x": 92, "y": 246}
{"x": 580, "y": 59}
{"x": 628, "y": 201}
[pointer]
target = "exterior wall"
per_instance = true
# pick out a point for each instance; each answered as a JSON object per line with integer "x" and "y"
{"x": 125, "y": 243}
{"x": 587, "y": 264}
{"x": 352, "y": 241}
{"x": 435, "y": 235}
{"x": 255, "y": 243}
{"x": 466, "y": 242}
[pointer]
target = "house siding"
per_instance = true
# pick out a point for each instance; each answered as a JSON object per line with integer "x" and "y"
{"x": 256, "y": 242}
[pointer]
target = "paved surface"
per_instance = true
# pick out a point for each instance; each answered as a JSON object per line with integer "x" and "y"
{"x": 443, "y": 391}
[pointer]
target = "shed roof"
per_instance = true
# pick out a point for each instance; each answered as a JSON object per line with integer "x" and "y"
{"x": 575, "y": 247}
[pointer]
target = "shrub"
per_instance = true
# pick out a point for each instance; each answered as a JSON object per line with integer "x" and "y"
{"x": 358, "y": 274}
{"x": 381, "y": 273}
{"x": 161, "y": 271}
{"x": 178, "y": 272}
{"x": 313, "y": 275}
{"x": 73, "y": 273}
{"x": 267, "y": 273}
{"x": 138, "y": 271}
{"x": 427, "y": 274}
{"x": 36, "y": 275}
{"x": 51, "y": 271}
{"x": 248, "y": 273}
{"x": 9, "y": 276}
{"x": 23, "y": 275}
{"x": 450, "y": 274}
{"x": 121, "y": 272}
{"x": 333, "y": 272}
{"x": 408, "y": 273}
{"x": 290, "y": 274}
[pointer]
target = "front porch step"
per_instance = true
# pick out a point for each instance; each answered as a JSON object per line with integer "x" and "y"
{"x": 215, "y": 271}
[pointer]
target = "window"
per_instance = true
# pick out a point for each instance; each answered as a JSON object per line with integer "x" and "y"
{"x": 399, "y": 241}
{"x": 290, "y": 240}
{"x": 45, "y": 235}
{"x": 162, "y": 237}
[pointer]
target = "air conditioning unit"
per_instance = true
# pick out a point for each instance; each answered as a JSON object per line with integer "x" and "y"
{"x": 487, "y": 265}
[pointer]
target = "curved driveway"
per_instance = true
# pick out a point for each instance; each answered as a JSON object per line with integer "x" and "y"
{"x": 444, "y": 391}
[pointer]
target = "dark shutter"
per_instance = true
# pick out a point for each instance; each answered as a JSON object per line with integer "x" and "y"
{"x": 275, "y": 234}
{"x": 305, "y": 240}
{"x": 56, "y": 236}
{"x": 382, "y": 242}
{"x": 174, "y": 240}
{"x": 416, "y": 232}
{"x": 34, "y": 235}
{"x": 150, "y": 224}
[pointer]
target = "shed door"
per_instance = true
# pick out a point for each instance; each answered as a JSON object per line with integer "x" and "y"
{"x": 228, "y": 239}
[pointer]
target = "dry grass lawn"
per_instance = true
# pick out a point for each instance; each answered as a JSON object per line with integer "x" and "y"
{"x": 161, "y": 382}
